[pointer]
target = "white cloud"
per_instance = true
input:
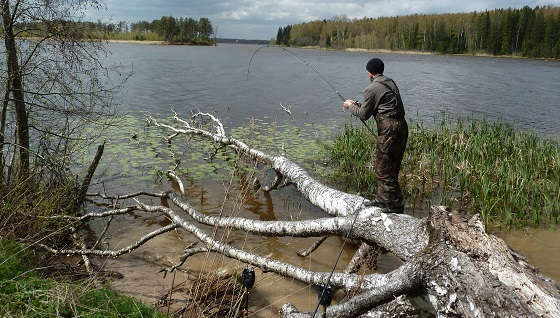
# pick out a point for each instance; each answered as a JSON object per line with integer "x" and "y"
{"x": 260, "y": 19}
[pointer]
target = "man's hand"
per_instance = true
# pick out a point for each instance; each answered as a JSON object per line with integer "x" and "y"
{"x": 349, "y": 103}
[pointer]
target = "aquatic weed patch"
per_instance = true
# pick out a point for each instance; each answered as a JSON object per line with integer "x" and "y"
{"x": 510, "y": 177}
{"x": 139, "y": 155}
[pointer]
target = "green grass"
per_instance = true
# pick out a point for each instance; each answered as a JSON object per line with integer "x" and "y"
{"x": 25, "y": 293}
{"x": 510, "y": 177}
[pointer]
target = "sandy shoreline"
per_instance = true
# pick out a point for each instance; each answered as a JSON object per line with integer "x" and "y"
{"x": 148, "y": 42}
{"x": 409, "y": 52}
{"x": 139, "y": 42}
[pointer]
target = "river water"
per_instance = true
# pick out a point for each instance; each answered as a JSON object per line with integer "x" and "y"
{"x": 525, "y": 93}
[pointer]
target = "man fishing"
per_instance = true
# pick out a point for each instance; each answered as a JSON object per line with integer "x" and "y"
{"x": 382, "y": 100}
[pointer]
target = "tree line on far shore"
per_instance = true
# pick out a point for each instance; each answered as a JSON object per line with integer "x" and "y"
{"x": 530, "y": 32}
{"x": 173, "y": 30}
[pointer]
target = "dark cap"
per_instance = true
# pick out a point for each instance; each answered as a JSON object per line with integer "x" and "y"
{"x": 375, "y": 66}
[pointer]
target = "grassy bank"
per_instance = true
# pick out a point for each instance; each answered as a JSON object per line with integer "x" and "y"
{"x": 37, "y": 284}
{"x": 510, "y": 177}
{"x": 28, "y": 292}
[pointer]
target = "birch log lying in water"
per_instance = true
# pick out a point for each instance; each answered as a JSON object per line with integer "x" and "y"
{"x": 451, "y": 264}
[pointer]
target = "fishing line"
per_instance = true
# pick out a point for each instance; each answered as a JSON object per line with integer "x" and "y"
{"x": 326, "y": 81}
{"x": 324, "y": 287}
{"x": 304, "y": 62}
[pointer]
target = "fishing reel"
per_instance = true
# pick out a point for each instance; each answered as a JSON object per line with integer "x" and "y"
{"x": 248, "y": 278}
{"x": 324, "y": 295}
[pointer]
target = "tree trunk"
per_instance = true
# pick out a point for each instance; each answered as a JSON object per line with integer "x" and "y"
{"x": 3, "y": 130}
{"x": 15, "y": 78}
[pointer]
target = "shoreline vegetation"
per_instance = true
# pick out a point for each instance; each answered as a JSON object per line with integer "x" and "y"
{"x": 412, "y": 52}
{"x": 166, "y": 30}
{"x": 527, "y": 32}
{"x": 510, "y": 177}
{"x": 34, "y": 283}
{"x": 30, "y": 290}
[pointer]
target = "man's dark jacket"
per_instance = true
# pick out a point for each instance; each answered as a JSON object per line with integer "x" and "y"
{"x": 382, "y": 99}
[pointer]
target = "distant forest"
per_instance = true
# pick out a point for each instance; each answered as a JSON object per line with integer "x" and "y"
{"x": 173, "y": 30}
{"x": 530, "y": 32}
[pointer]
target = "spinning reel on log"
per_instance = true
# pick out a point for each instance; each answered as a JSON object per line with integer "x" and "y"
{"x": 248, "y": 281}
{"x": 324, "y": 296}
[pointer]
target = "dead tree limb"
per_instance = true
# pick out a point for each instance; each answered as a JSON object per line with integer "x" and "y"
{"x": 116, "y": 253}
{"x": 366, "y": 254}
{"x": 449, "y": 262}
{"x": 87, "y": 179}
{"x": 312, "y": 248}
{"x": 423, "y": 242}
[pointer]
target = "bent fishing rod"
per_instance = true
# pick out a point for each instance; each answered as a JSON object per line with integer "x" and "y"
{"x": 325, "y": 293}
{"x": 304, "y": 62}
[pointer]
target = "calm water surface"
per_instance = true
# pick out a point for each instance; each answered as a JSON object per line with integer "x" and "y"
{"x": 524, "y": 93}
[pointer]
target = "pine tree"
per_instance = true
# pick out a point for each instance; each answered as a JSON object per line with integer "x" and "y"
{"x": 484, "y": 27}
{"x": 537, "y": 34}
{"x": 279, "y": 39}
{"x": 507, "y": 32}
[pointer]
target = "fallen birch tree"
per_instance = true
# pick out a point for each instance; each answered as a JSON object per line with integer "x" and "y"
{"x": 449, "y": 263}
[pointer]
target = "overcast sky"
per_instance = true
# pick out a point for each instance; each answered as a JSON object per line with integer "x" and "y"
{"x": 260, "y": 19}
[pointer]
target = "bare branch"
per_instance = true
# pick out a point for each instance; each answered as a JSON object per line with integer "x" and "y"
{"x": 95, "y": 214}
{"x": 310, "y": 228}
{"x": 384, "y": 289}
{"x": 312, "y": 248}
{"x": 127, "y": 196}
{"x": 365, "y": 254}
{"x": 177, "y": 180}
{"x": 102, "y": 234}
{"x": 338, "y": 280}
{"x": 144, "y": 239}
{"x": 219, "y": 126}
{"x": 188, "y": 253}
{"x": 332, "y": 201}
{"x": 287, "y": 109}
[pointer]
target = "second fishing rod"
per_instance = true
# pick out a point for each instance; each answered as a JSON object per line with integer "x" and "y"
{"x": 310, "y": 66}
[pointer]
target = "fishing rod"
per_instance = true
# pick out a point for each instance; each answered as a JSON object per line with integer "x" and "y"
{"x": 325, "y": 291}
{"x": 304, "y": 62}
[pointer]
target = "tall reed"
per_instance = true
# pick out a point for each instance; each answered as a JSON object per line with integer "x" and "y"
{"x": 510, "y": 177}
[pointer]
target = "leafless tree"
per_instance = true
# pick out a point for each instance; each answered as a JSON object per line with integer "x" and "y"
{"x": 56, "y": 84}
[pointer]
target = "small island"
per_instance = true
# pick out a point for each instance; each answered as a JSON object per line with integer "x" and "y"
{"x": 167, "y": 30}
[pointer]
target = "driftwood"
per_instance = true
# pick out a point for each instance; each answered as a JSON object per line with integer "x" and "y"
{"x": 451, "y": 266}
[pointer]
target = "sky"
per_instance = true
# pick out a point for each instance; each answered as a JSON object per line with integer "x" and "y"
{"x": 260, "y": 19}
